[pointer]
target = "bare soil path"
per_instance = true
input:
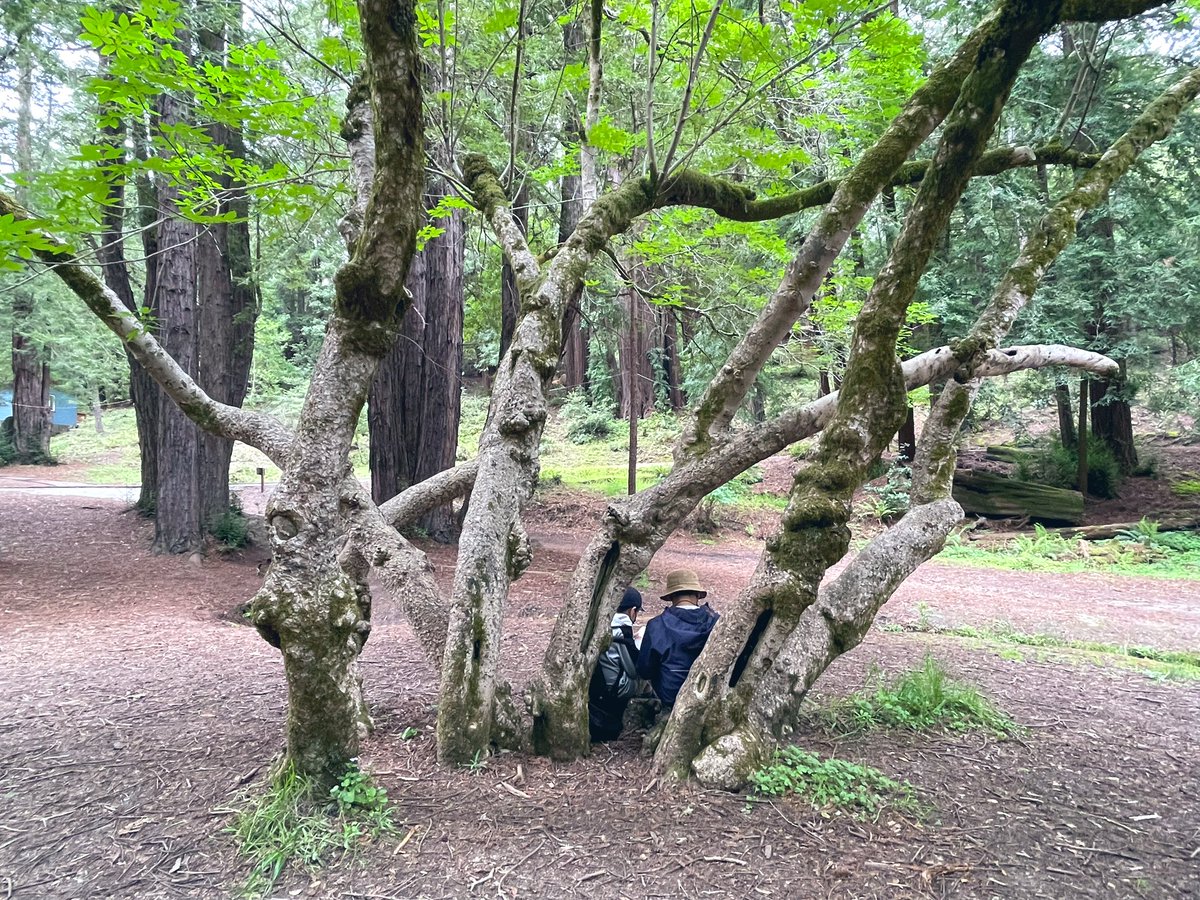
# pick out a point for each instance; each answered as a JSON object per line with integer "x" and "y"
{"x": 133, "y": 712}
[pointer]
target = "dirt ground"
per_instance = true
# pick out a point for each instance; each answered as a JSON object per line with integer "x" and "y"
{"x": 134, "y": 713}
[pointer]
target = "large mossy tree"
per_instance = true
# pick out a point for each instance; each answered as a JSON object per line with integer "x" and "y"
{"x": 779, "y": 635}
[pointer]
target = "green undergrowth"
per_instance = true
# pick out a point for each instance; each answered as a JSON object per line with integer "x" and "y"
{"x": 1143, "y": 551}
{"x": 1181, "y": 665}
{"x": 231, "y": 529}
{"x": 831, "y": 784}
{"x": 924, "y": 699}
{"x": 289, "y": 826}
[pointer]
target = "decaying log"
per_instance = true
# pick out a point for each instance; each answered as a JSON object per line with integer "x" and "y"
{"x": 989, "y": 494}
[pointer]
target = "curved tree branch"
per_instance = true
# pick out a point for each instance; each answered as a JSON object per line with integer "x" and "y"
{"x": 257, "y": 429}
{"x": 736, "y": 202}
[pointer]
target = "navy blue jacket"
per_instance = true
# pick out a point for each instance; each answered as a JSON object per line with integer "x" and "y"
{"x": 671, "y": 644}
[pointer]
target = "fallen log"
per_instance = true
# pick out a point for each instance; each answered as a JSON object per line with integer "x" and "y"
{"x": 1095, "y": 532}
{"x": 988, "y": 494}
{"x": 1006, "y": 453}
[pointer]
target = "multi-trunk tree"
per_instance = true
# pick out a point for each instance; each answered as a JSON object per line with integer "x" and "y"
{"x": 778, "y": 635}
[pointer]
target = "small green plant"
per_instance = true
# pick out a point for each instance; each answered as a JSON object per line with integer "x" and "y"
{"x": 924, "y": 617}
{"x": 231, "y": 529}
{"x": 289, "y": 824}
{"x": 829, "y": 782}
{"x": 1145, "y": 532}
{"x": 1042, "y": 543}
{"x": 891, "y": 498}
{"x": 921, "y": 699}
{"x": 478, "y": 763}
{"x": 357, "y": 791}
{"x": 409, "y": 733}
{"x": 1189, "y": 487}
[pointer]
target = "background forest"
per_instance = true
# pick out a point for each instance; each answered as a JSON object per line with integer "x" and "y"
{"x": 255, "y": 159}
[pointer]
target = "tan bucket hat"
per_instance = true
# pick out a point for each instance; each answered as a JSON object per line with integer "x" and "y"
{"x": 683, "y": 580}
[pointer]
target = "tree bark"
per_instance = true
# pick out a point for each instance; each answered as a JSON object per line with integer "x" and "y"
{"x": 672, "y": 367}
{"x": 143, "y": 390}
{"x": 31, "y": 415}
{"x": 415, "y": 402}
{"x": 177, "y": 519}
{"x": 573, "y": 205}
{"x": 394, "y": 402}
{"x": 228, "y": 296}
{"x": 1112, "y": 420}
{"x": 1081, "y": 470}
{"x": 1066, "y": 418}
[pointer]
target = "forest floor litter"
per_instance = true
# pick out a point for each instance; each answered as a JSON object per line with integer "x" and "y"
{"x": 135, "y": 711}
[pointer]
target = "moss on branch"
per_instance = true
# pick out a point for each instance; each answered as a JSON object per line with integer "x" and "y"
{"x": 739, "y": 203}
{"x": 482, "y": 180}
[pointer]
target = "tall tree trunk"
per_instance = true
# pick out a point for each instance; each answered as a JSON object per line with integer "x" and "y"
{"x": 228, "y": 306}
{"x": 30, "y": 363}
{"x": 1081, "y": 471}
{"x": 394, "y": 412}
{"x": 571, "y": 210}
{"x": 178, "y": 507}
{"x": 672, "y": 371}
{"x": 415, "y": 403}
{"x": 143, "y": 390}
{"x": 1112, "y": 420}
{"x": 1066, "y": 414}
{"x": 445, "y": 305}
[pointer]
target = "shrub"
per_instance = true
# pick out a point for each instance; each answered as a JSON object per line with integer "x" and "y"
{"x": 921, "y": 699}
{"x": 231, "y": 528}
{"x": 8, "y": 452}
{"x": 1055, "y": 465}
{"x": 585, "y": 422}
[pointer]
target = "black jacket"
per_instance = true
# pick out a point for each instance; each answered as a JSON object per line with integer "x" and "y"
{"x": 671, "y": 644}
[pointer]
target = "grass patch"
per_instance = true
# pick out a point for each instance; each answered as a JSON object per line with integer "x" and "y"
{"x": 1187, "y": 488}
{"x": 289, "y": 826}
{"x": 830, "y": 783}
{"x": 1143, "y": 551}
{"x": 923, "y": 699}
{"x": 1167, "y": 664}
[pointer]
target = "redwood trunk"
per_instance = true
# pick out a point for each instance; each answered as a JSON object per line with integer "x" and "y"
{"x": 30, "y": 365}
{"x": 1066, "y": 414}
{"x": 228, "y": 304}
{"x": 415, "y": 404}
{"x": 177, "y": 506}
{"x": 1112, "y": 421}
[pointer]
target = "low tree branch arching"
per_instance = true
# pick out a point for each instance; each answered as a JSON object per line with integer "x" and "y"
{"x": 259, "y": 430}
